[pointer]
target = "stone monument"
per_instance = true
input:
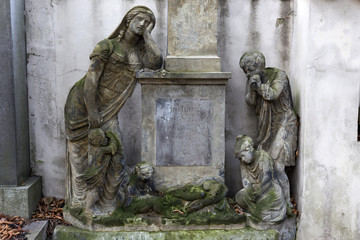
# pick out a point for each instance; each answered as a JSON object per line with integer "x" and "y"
{"x": 179, "y": 184}
{"x": 183, "y": 107}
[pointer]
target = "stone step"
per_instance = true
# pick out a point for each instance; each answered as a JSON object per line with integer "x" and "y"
{"x": 70, "y": 232}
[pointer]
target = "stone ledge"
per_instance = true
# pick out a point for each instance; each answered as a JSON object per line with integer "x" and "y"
{"x": 145, "y": 222}
{"x": 193, "y": 64}
{"x": 182, "y": 78}
{"x": 70, "y": 232}
{"x": 21, "y": 200}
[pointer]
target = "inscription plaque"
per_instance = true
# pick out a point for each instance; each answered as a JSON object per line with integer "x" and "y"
{"x": 183, "y": 132}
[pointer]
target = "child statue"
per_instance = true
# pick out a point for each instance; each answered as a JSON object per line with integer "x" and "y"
{"x": 262, "y": 196}
{"x": 101, "y": 149}
{"x": 268, "y": 92}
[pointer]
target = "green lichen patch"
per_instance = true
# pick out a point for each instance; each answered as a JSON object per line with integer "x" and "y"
{"x": 207, "y": 216}
{"x": 78, "y": 213}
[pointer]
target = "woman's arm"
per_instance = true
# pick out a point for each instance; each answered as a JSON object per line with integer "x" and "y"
{"x": 90, "y": 90}
{"x": 152, "y": 58}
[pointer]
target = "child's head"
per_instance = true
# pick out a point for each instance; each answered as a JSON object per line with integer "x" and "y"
{"x": 243, "y": 149}
{"x": 144, "y": 170}
{"x": 252, "y": 63}
{"x": 97, "y": 137}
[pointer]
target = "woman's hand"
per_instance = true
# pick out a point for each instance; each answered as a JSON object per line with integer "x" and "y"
{"x": 94, "y": 119}
{"x": 149, "y": 28}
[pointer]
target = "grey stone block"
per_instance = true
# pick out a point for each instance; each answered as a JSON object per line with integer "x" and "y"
{"x": 190, "y": 147}
{"x": 193, "y": 64}
{"x": 14, "y": 133}
{"x": 36, "y": 230}
{"x": 21, "y": 200}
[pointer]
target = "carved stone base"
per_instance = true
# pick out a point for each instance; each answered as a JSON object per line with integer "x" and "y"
{"x": 287, "y": 228}
{"x": 21, "y": 200}
{"x": 67, "y": 232}
{"x": 205, "y": 219}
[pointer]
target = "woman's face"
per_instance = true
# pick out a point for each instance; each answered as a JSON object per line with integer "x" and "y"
{"x": 139, "y": 23}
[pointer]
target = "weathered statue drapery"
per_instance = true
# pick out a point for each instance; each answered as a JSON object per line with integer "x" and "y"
{"x": 268, "y": 91}
{"x": 95, "y": 101}
{"x": 262, "y": 196}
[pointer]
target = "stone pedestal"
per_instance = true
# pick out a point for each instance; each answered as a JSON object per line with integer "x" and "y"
{"x": 20, "y": 200}
{"x": 70, "y": 232}
{"x": 183, "y": 121}
{"x": 18, "y": 193}
{"x": 183, "y": 107}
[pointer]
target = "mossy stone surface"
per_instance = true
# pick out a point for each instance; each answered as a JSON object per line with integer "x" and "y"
{"x": 73, "y": 233}
{"x": 123, "y": 218}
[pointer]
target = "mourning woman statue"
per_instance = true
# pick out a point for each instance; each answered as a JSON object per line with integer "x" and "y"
{"x": 262, "y": 196}
{"x": 95, "y": 101}
{"x": 268, "y": 91}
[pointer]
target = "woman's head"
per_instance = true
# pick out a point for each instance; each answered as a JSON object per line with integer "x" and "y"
{"x": 143, "y": 11}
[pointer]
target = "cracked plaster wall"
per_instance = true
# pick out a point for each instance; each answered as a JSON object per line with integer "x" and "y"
{"x": 326, "y": 68}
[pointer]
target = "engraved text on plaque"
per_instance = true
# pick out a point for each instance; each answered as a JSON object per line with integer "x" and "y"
{"x": 183, "y": 132}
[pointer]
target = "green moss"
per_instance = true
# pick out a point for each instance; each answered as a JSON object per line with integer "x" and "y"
{"x": 213, "y": 217}
{"x": 167, "y": 210}
{"x": 78, "y": 213}
{"x": 263, "y": 205}
{"x": 91, "y": 171}
{"x": 189, "y": 192}
{"x": 81, "y": 82}
{"x": 118, "y": 218}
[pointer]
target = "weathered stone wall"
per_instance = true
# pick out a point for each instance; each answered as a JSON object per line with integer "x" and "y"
{"x": 326, "y": 67}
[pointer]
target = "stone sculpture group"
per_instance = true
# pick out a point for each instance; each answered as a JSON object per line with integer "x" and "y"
{"x": 100, "y": 183}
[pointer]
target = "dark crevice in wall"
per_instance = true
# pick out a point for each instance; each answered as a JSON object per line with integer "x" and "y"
{"x": 254, "y": 36}
{"x": 223, "y": 13}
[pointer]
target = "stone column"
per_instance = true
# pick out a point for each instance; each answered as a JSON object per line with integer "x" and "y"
{"x": 183, "y": 108}
{"x": 192, "y": 36}
{"x": 19, "y": 193}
